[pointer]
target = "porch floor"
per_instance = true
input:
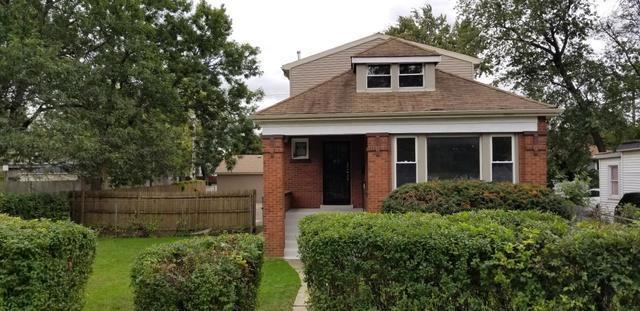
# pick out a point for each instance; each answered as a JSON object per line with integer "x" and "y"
{"x": 293, "y": 217}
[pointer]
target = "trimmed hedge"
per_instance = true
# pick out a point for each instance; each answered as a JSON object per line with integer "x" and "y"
{"x": 452, "y": 196}
{"x": 210, "y": 273}
{"x": 55, "y": 206}
{"x": 44, "y": 264}
{"x": 485, "y": 260}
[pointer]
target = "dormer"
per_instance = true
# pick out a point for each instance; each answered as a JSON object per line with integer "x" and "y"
{"x": 395, "y": 66}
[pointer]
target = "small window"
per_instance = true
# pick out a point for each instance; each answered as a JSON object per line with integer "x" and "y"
{"x": 379, "y": 76}
{"x": 411, "y": 75}
{"x": 299, "y": 148}
{"x": 613, "y": 180}
{"x": 502, "y": 158}
{"x": 405, "y": 160}
{"x": 453, "y": 158}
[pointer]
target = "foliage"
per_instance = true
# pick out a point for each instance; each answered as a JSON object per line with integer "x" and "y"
{"x": 576, "y": 191}
{"x": 452, "y": 196}
{"x": 486, "y": 260}
{"x": 211, "y": 273}
{"x": 630, "y": 212}
{"x": 55, "y": 206}
{"x": 123, "y": 93}
{"x": 44, "y": 265}
{"x": 424, "y": 27}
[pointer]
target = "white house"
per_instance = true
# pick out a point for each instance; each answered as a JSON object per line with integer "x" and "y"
{"x": 619, "y": 174}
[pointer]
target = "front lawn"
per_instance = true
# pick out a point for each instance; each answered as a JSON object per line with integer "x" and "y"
{"x": 108, "y": 287}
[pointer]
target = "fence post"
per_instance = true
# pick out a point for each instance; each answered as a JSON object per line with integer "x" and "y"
{"x": 116, "y": 220}
{"x": 252, "y": 211}
{"x": 197, "y": 214}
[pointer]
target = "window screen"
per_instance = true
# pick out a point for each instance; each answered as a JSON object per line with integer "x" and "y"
{"x": 453, "y": 157}
{"x": 502, "y": 159}
{"x": 411, "y": 75}
{"x": 405, "y": 160}
{"x": 379, "y": 76}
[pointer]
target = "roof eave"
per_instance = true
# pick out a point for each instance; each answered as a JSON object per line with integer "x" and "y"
{"x": 408, "y": 115}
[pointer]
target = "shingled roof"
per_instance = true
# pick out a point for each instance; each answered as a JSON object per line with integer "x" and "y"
{"x": 338, "y": 96}
{"x": 396, "y": 48}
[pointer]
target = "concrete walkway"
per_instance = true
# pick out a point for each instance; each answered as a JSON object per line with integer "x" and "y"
{"x": 293, "y": 217}
{"x": 300, "y": 304}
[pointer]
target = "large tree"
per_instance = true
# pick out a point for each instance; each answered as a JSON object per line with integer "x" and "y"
{"x": 421, "y": 25}
{"x": 127, "y": 90}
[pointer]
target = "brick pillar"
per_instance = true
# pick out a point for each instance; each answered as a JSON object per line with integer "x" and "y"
{"x": 378, "y": 170}
{"x": 274, "y": 188}
{"x": 532, "y": 155}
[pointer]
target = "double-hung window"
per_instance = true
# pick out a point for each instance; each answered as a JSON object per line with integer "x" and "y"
{"x": 379, "y": 76}
{"x": 614, "y": 182}
{"x": 406, "y": 166}
{"x": 453, "y": 158}
{"x": 502, "y": 158}
{"x": 411, "y": 75}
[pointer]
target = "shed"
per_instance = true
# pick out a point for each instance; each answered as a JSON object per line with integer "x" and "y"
{"x": 246, "y": 174}
{"x": 619, "y": 173}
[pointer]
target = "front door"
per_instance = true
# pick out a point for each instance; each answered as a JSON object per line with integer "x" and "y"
{"x": 336, "y": 177}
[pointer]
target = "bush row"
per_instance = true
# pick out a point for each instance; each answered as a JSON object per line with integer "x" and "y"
{"x": 211, "y": 273}
{"x": 486, "y": 260}
{"x": 44, "y": 264}
{"x": 452, "y": 196}
{"x": 54, "y": 206}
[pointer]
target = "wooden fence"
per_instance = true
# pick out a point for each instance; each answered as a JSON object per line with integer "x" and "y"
{"x": 164, "y": 212}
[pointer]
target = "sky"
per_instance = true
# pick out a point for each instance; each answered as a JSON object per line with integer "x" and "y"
{"x": 282, "y": 27}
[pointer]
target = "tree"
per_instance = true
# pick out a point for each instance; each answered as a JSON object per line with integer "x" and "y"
{"x": 116, "y": 87}
{"x": 424, "y": 27}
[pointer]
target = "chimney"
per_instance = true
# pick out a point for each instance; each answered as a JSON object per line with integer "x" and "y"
{"x": 299, "y": 53}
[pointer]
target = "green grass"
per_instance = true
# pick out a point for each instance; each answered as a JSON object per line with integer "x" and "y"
{"x": 108, "y": 287}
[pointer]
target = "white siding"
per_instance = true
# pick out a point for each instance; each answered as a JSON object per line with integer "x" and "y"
{"x": 456, "y": 66}
{"x": 607, "y": 201}
{"x": 630, "y": 171}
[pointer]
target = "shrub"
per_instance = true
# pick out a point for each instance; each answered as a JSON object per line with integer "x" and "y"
{"x": 485, "y": 260}
{"x": 55, "y": 206}
{"x": 210, "y": 273}
{"x": 576, "y": 191}
{"x": 452, "y": 196}
{"x": 44, "y": 264}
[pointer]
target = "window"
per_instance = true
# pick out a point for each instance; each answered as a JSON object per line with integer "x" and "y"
{"x": 502, "y": 158}
{"x": 453, "y": 157}
{"x": 411, "y": 75}
{"x": 405, "y": 160}
{"x": 299, "y": 148}
{"x": 614, "y": 182}
{"x": 379, "y": 76}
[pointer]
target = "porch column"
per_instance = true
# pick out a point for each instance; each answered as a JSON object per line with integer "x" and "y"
{"x": 532, "y": 155}
{"x": 378, "y": 170}
{"x": 274, "y": 188}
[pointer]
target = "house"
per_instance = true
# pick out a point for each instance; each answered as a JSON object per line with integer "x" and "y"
{"x": 373, "y": 114}
{"x": 246, "y": 174}
{"x": 619, "y": 173}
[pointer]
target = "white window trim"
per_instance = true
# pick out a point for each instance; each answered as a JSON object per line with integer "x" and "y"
{"x": 426, "y": 155}
{"x": 411, "y": 74}
{"x": 380, "y": 75}
{"x": 513, "y": 157}
{"x": 293, "y": 144}
{"x": 609, "y": 172}
{"x": 395, "y": 157}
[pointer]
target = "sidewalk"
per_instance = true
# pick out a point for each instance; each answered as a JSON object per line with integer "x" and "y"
{"x": 300, "y": 304}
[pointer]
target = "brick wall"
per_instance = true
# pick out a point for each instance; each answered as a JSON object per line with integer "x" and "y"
{"x": 532, "y": 155}
{"x": 378, "y": 170}
{"x": 274, "y": 188}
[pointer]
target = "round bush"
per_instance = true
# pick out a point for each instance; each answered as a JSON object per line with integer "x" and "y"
{"x": 44, "y": 264}
{"x": 452, "y": 196}
{"x": 210, "y": 273}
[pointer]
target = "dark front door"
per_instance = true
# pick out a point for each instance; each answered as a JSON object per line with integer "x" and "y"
{"x": 336, "y": 177}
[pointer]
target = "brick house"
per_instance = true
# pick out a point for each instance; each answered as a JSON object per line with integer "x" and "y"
{"x": 373, "y": 114}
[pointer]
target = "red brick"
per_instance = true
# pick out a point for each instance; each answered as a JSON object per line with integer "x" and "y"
{"x": 532, "y": 151}
{"x": 378, "y": 169}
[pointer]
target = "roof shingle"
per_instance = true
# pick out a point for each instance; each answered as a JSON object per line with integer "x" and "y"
{"x": 396, "y": 48}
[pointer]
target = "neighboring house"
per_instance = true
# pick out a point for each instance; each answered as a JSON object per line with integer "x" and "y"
{"x": 246, "y": 174}
{"x": 379, "y": 112}
{"x": 619, "y": 174}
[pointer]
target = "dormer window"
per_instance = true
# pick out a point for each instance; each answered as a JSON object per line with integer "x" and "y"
{"x": 411, "y": 75}
{"x": 379, "y": 76}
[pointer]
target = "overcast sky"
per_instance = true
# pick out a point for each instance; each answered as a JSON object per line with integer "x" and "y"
{"x": 282, "y": 27}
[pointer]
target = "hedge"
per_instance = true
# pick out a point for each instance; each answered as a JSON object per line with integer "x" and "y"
{"x": 452, "y": 196}
{"x": 54, "y": 206}
{"x": 44, "y": 264}
{"x": 485, "y": 260}
{"x": 210, "y": 273}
